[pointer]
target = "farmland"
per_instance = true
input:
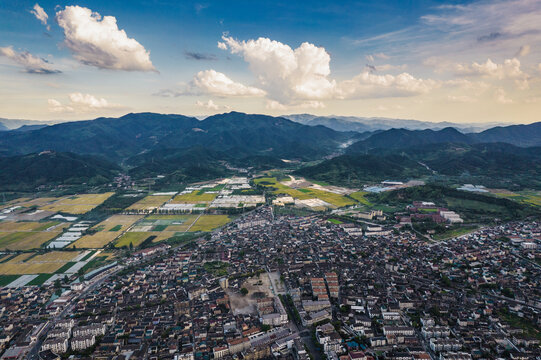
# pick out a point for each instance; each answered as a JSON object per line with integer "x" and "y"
{"x": 107, "y": 231}
{"x": 209, "y": 222}
{"x": 149, "y": 203}
{"x": 195, "y": 197}
{"x": 27, "y": 235}
{"x": 134, "y": 238}
{"x": 77, "y": 204}
{"x": 30, "y": 263}
{"x": 165, "y": 222}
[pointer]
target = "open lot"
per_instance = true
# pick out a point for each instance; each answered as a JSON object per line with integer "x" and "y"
{"x": 149, "y": 203}
{"x": 77, "y": 204}
{"x": 107, "y": 231}
{"x": 257, "y": 286}
{"x": 30, "y": 263}
{"x": 210, "y": 222}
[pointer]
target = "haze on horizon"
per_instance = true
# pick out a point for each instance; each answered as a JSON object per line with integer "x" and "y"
{"x": 458, "y": 61}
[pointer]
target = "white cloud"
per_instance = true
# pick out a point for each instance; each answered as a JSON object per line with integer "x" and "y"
{"x": 313, "y": 104}
{"x": 501, "y": 97}
{"x": 82, "y": 103}
{"x": 368, "y": 85}
{"x": 217, "y": 83}
{"x": 98, "y": 41}
{"x": 222, "y": 46}
{"x": 387, "y": 67}
{"x": 274, "y": 105}
{"x": 41, "y": 15}
{"x": 32, "y": 64}
{"x": 211, "y": 105}
{"x": 301, "y": 75}
{"x": 523, "y": 51}
{"x": 286, "y": 74}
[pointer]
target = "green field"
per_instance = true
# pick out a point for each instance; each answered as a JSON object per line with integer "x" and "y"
{"x": 451, "y": 233}
{"x": 216, "y": 268}
{"x": 305, "y": 193}
{"x": 135, "y": 238}
{"x": 159, "y": 228}
{"x": 194, "y": 197}
{"x": 335, "y": 221}
{"x": 209, "y": 222}
{"x": 65, "y": 267}
{"x": 38, "y": 281}
{"x": 7, "y": 279}
{"x": 360, "y": 197}
{"x": 87, "y": 256}
{"x": 116, "y": 228}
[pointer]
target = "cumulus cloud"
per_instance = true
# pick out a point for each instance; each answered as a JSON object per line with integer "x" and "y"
{"x": 302, "y": 75}
{"x": 286, "y": 73}
{"x": 81, "y": 103}
{"x": 274, "y": 105}
{"x": 31, "y": 64}
{"x": 211, "y": 105}
{"x": 97, "y": 41}
{"x": 41, "y": 15}
{"x": 216, "y": 83}
{"x": 508, "y": 69}
{"x": 369, "y": 85}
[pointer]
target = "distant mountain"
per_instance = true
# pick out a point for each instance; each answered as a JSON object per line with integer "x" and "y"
{"x": 12, "y": 124}
{"x": 356, "y": 170}
{"x": 490, "y": 164}
{"x": 133, "y": 134}
{"x": 3, "y": 127}
{"x": 28, "y": 171}
{"x": 29, "y": 128}
{"x": 402, "y": 138}
{"x": 520, "y": 135}
{"x": 362, "y": 124}
{"x": 114, "y": 138}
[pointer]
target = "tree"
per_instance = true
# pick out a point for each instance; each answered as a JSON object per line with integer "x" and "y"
{"x": 244, "y": 291}
{"x": 131, "y": 246}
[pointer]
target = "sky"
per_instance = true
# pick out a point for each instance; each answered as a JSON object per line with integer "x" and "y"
{"x": 459, "y": 61}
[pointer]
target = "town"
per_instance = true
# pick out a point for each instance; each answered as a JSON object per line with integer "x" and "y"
{"x": 274, "y": 282}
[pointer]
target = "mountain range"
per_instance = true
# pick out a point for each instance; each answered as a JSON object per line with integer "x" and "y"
{"x": 362, "y": 124}
{"x": 185, "y": 148}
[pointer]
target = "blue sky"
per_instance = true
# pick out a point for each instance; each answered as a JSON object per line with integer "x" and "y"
{"x": 430, "y": 60}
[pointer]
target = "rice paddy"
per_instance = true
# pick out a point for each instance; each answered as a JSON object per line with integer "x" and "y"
{"x": 107, "y": 231}
{"x": 28, "y": 235}
{"x": 30, "y": 263}
{"x": 77, "y": 204}
{"x": 149, "y": 203}
{"x": 195, "y": 197}
{"x": 210, "y": 222}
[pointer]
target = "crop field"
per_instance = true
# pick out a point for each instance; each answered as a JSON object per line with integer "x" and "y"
{"x": 165, "y": 222}
{"x": 134, "y": 238}
{"x": 360, "y": 197}
{"x": 209, "y": 222}
{"x": 30, "y": 263}
{"x": 332, "y": 198}
{"x": 282, "y": 189}
{"x": 77, "y": 204}
{"x": 27, "y": 235}
{"x": 195, "y": 197}
{"x": 525, "y": 197}
{"x": 150, "y": 202}
{"x": 28, "y": 202}
{"x": 108, "y": 230}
